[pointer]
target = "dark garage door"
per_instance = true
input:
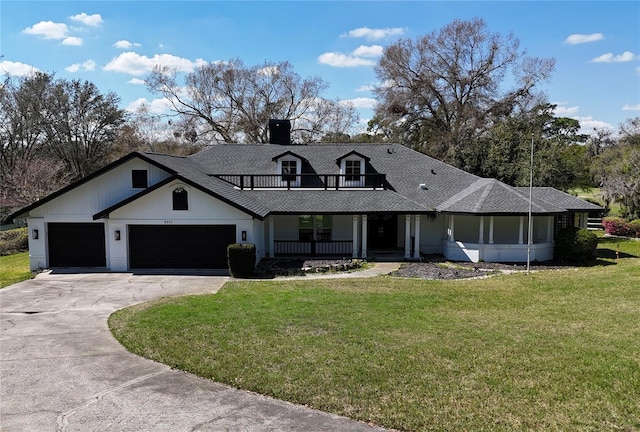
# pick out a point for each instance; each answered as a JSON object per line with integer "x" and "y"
{"x": 180, "y": 246}
{"x": 76, "y": 245}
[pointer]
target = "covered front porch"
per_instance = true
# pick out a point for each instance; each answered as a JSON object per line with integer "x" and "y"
{"x": 355, "y": 236}
{"x": 498, "y": 238}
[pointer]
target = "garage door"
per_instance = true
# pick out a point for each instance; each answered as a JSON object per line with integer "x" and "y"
{"x": 76, "y": 245}
{"x": 180, "y": 246}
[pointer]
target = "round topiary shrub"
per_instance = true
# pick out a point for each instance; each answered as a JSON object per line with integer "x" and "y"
{"x": 241, "y": 258}
{"x": 575, "y": 245}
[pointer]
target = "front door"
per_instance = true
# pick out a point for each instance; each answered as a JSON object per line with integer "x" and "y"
{"x": 382, "y": 232}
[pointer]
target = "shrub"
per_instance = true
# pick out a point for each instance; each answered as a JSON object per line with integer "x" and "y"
{"x": 241, "y": 258}
{"x": 634, "y": 227}
{"x": 575, "y": 245}
{"x": 616, "y": 226}
{"x": 14, "y": 241}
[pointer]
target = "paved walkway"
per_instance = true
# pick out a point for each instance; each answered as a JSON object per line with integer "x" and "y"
{"x": 62, "y": 370}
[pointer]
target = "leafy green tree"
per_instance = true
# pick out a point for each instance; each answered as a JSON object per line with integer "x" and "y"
{"x": 617, "y": 169}
{"x": 560, "y": 157}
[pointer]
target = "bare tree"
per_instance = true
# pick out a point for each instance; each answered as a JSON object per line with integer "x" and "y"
{"x": 444, "y": 89}
{"x": 231, "y": 103}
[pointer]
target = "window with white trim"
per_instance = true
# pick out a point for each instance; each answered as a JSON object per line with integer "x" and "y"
{"x": 352, "y": 169}
{"x": 289, "y": 170}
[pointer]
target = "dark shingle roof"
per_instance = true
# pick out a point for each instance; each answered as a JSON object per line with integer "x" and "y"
{"x": 489, "y": 196}
{"x": 562, "y": 199}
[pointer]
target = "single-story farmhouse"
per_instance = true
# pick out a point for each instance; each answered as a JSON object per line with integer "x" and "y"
{"x": 349, "y": 200}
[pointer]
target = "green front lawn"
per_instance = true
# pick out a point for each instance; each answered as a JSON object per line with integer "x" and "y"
{"x": 14, "y": 269}
{"x": 556, "y": 350}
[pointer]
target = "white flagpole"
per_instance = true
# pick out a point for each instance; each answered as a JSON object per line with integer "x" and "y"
{"x": 530, "y": 201}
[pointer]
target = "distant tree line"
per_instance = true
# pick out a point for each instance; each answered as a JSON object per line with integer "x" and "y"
{"x": 461, "y": 94}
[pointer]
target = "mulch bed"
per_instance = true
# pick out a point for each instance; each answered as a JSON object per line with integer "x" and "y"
{"x": 433, "y": 267}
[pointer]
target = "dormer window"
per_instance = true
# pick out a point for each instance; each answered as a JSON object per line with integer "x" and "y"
{"x": 352, "y": 169}
{"x": 289, "y": 170}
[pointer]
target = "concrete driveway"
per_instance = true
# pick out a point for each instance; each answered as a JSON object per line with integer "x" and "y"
{"x": 61, "y": 370}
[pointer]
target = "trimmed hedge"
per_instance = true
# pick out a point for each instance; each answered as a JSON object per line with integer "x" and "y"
{"x": 241, "y": 258}
{"x": 621, "y": 227}
{"x": 575, "y": 245}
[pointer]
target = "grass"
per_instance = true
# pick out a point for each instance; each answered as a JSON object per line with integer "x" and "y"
{"x": 14, "y": 268}
{"x": 556, "y": 350}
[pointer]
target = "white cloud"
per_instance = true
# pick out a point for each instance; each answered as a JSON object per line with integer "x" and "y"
{"x": 343, "y": 60}
{"x": 583, "y": 38}
{"x": 628, "y": 107}
{"x": 368, "y": 51}
{"x": 136, "y": 64}
{"x": 365, "y": 88}
{"x": 90, "y": 20}
{"x": 136, "y": 81}
{"x": 589, "y": 124}
{"x": 48, "y": 30}
{"x": 156, "y": 106}
{"x": 89, "y": 65}
{"x": 72, "y": 41}
{"x": 626, "y": 56}
{"x": 367, "y": 103}
{"x": 564, "y": 111}
{"x": 361, "y": 56}
{"x": 16, "y": 68}
{"x": 374, "y": 34}
{"x": 125, "y": 44}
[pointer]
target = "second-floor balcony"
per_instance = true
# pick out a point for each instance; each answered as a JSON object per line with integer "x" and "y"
{"x": 305, "y": 181}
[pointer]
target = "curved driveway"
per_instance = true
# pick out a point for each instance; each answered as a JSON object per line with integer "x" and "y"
{"x": 61, "y": 370}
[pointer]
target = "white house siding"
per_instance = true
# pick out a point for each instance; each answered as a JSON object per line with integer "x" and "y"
{"x": 156, "y": 209}
{"x": 81, "y": 203}
{"x": 432, "y": 232}
{"x": 286, "y": 227}
{"x": 342, "y": 228}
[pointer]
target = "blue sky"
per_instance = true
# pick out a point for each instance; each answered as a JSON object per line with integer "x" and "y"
{"x": 114, "y": 44}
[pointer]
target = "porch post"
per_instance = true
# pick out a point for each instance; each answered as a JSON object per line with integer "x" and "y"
{"x": 272, "y": 249}
{"x": 549, "y": 229}
{"x": 416, "y": 235}
{"x": 407, "y": 236}
{"x": 520, "y": 238}
{"x": 481, "y": 233}
{"x": 490, "y": 229}
{"x": 355, "y": 237}
{"x": 364, "y": 236}
{"x": 451, "y": 234}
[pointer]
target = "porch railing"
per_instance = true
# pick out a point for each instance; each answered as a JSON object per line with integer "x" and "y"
{"x": 313, "y": 247}
{"x": 311, "y": 181}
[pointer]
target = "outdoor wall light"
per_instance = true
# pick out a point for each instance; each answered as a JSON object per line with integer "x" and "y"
{"x": 116, "y": 235}
{"x": 34, "y": 234}
{"x": 244, "y": 236}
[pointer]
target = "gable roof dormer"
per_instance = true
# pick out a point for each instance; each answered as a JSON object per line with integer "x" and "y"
{"x": 288, "y": 154}
{"x": 353, "y": 154}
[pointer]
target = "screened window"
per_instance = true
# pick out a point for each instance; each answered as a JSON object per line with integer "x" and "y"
{"x": 289, "y": 170}
{"x": 352, "y": 170}
{"x": 139, "y": 179}
{"x": 316, "y": 227}
{"x": 180, "y": 199}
